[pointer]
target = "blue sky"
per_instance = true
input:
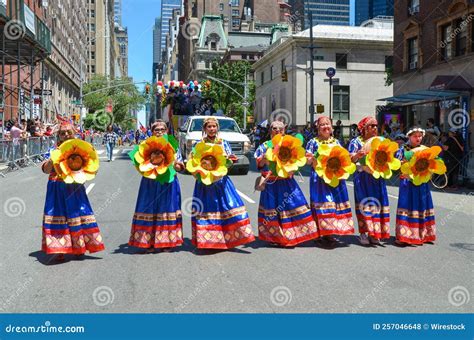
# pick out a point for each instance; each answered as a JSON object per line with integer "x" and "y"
{"x": 139, "y": 17}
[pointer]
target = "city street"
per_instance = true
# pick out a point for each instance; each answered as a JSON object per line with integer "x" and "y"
{"x": 256, "y": 278}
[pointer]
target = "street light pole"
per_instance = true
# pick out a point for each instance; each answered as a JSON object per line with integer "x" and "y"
{"x": 311, "y": 68}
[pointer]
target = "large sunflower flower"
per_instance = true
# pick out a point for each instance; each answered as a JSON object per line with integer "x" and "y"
{"x": 423, "y": 163}
{"x": 208, "y": 163}
{"x": 155, "y": 157}
{"x": 75, "y": 161}
{"x": 287, "y": 153}
{"x": 333, "y": 164}
{"x": 381, "y": 159}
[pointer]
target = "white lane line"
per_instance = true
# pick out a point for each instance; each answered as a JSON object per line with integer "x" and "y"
{"x": 89, "y": 188}
{"x": 389, "y": 195}
{"x": 245, "y": 197}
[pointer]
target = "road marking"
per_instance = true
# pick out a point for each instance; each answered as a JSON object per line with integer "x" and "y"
{"x": 89, "y": 188}
{"x": 245, "y": 197}
{"x": 389, "y": 195}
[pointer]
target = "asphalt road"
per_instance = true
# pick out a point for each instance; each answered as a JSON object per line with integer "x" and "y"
{"x": 254, "y": 278}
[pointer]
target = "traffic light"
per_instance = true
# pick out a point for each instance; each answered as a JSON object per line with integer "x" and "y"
{"x": 147, "y": 89}
{"x": 284, "y": 75}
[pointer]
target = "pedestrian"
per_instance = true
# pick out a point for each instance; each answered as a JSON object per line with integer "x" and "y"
{"x": 157, "y": 221}
{"x": 69, "y": 224}
{"x": 415, "y": 223}
{"x": 371, "y": 197}
{"x": 137, "y": 136}
{"x": 330, "y": 206}
{"x": 453, "y": 154}
{"x": 110, "y": 140}
{"x": 432, "y": 128}
{"x": 284, "y": 217}
{"x": 308, "y": 133}
{"x": 221, "y": 220}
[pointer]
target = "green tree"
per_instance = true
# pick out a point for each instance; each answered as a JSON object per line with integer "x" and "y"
{"x": 123, "y": 95}
{"x": 223, "y": 97}
{"x": 389, "y": 73}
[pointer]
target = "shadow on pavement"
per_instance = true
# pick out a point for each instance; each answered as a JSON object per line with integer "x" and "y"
{"x": 52, "y": 259}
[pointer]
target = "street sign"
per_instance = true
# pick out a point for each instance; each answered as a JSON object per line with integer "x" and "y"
{"x": 319, "y": 108}
{"x": 76, "y": 102}
{"x": 331, "y": 72}
{"x": 335, "y": 81}
{"x": 43, "y": 92}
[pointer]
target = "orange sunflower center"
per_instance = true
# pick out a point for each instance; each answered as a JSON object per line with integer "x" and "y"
{"x": 381, "y": 158}
{"x": 209, "y": 163}
{"x": 422, "y": 165}
{"x": 284, "y": 154}
{"x": 157, "y": 157}
{"x": 334, "y": 164}
{"x": 75, "y": 162}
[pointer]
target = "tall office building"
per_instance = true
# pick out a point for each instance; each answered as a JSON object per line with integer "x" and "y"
{"x": 118, "y": 13}
{"x": 156, "y": 47}
{"x": 328, "y": 12}
{"x": 167, "y": 7}
{"x": 369, "y": 9}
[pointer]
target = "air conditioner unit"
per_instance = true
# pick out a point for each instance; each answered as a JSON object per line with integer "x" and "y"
{"x": 413, "y": 10}
{"x": 413, "y": 65}
{"x": 70, "y": 41}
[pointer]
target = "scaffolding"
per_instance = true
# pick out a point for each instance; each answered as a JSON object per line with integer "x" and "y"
{"x": 25, "y": 43}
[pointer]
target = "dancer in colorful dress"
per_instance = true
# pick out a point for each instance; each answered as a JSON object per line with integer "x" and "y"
{"x": 330, "y": 206}
{"x": 69, "y": 224}
{"x": 157, "y": 222}
{"x": 371, "y": 198}
{"x": 284, "y": 217}
{"x": 220, "y": 219}
{"x": 415, "y": 213}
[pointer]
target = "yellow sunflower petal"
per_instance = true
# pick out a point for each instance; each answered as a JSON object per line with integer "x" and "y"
{"x": 92, "y": 165}
{"x": 145, "y": 167}
{"x": 406, "y": 168}
{"x": 395, "y": 164}
{"x": 56, "y": 155}
{"x": 376, "y": 143}
{"x": 437, "y": 166}
{"x": 64, "y": 168}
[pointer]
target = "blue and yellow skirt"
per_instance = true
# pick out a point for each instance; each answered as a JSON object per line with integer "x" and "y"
{"x": 372, "y": 206}
{"x": 219, "y": 218}
{"x": 283, "y": 215}
{"x": 330, "y": 207}
{"x": 157, "y": 222}
{"x": 415, "y": 214}
{"x": 69, "y": 225}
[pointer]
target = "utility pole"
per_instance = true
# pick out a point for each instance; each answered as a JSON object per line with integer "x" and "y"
{"x": 311, "y": 68}
{"x": 245, "y": 103}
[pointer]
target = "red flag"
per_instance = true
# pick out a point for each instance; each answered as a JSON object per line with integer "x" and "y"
{"x": 142, "y": 127}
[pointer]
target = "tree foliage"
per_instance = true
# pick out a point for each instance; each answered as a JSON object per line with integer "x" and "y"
{"x": 123, "y": 95}
{"x": 223, "y": 97}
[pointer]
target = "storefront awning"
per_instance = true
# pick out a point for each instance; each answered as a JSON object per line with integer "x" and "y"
{"x": 424, "y": 96}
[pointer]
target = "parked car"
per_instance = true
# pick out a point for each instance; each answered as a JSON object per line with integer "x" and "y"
{"x": 191, "y": 132}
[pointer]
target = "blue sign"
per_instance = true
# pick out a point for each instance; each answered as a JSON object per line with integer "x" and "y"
{"x": 331, "y": 72}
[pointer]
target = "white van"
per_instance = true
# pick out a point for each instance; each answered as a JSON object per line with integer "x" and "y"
{"x": 191, "y": 132}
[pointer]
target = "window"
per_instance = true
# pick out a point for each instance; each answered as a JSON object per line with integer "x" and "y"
{"x": 244, "y": 56}
{"x": 92, "y": 55}
{"x": 283, "y": 68}
{"x": 388, "y": 61}
{"x": 461, "y": 37}
{"x": 92, "y": 13}
{"x": 235, "y": 22}
{"x": 262, "y": 77}
{"x": 446, "y": 42}
{"x": 272, "y": 75}
{"x": 341, "y": 61}
{"x": 413, "y": 53}
{"x": 341, "y": 99}
{"x": 221, "y": 7}
{"x": 235, "y": 3}
{"x": 92, "y": 27}
{"x": 92, "y": 68}
{"x": 235, "y": 13}
{"x": 414, "y": 7}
